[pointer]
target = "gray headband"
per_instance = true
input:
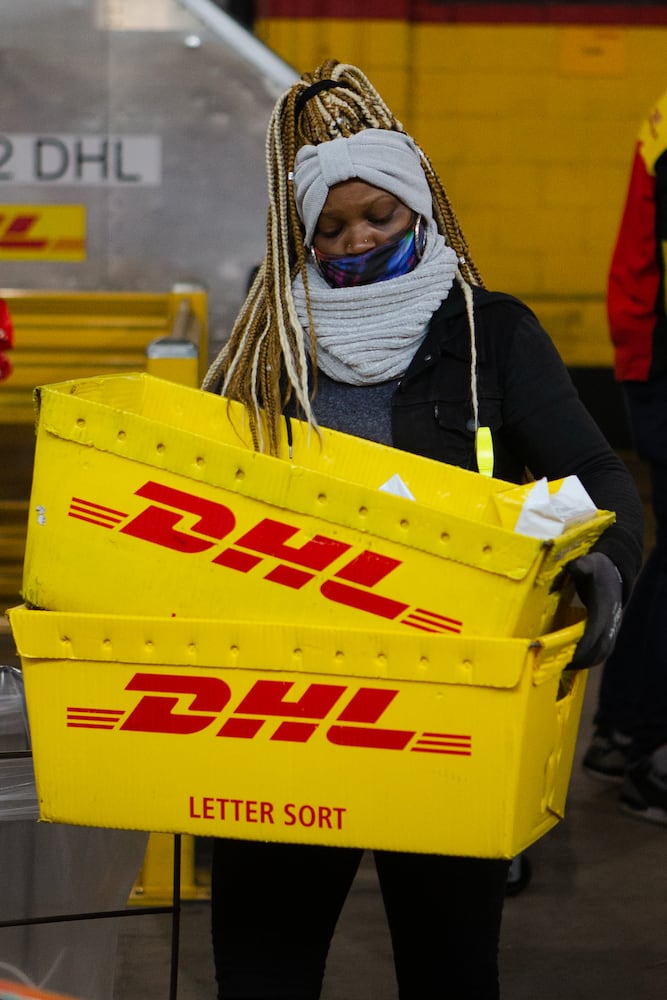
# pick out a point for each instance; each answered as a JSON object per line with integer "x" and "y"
{"x": 385, "y": 159}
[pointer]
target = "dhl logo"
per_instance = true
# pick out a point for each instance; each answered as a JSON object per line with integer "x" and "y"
{"x": 347, "y": 716}
{"x": 294, "y": 563}
{"x": 17, "y": 233}
{"x": 42, "y": 231}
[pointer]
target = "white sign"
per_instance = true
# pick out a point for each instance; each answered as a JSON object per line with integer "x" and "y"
{"x": 80, "y": 160}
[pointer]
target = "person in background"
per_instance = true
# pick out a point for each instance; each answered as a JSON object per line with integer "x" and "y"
{"x": 630, "y": 740}
{"x": 369, "y": 316}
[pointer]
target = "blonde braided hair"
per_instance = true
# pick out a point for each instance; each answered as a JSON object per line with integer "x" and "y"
{"x": 264, "y": 362}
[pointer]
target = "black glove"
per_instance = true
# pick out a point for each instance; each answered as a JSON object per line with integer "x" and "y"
{"x": 600, "y": 589}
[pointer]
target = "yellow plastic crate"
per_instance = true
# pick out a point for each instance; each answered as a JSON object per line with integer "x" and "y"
{"x": 147, "y": 499}
{"x": 298, "y": 733}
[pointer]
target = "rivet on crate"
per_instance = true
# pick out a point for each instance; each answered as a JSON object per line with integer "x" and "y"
{"x": 200, "y": 461}
{"x": 160, "y": 447}
{"x": 239, "y": 474}
{"x": 121, "y": 435}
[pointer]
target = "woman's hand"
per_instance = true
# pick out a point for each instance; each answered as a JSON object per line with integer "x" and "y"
{"x": 600, "y": 588}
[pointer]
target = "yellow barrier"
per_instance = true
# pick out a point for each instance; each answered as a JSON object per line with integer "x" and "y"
{"x": 63, "y": 333}
{"x": 155, "y": 882}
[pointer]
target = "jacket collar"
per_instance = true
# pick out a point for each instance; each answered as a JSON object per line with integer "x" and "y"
{"x": 448, "y": 333}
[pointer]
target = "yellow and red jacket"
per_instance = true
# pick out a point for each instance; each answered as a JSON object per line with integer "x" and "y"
{"x": 636, "y": 305}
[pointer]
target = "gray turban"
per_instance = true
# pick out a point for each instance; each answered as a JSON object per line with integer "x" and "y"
{"x": 385, "y": 159}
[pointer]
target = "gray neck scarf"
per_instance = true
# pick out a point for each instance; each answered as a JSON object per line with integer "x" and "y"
{"x": 369, "y": 333}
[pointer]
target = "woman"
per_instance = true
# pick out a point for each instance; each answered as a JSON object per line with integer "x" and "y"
{"x": 369, "y": 316}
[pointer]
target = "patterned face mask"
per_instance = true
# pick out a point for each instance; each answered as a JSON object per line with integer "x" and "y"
{"x": 391, "y": 260}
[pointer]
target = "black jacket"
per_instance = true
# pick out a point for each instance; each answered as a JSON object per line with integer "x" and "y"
{"x": 526, "y": 397}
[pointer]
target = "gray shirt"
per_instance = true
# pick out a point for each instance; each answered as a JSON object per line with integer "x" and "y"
{"x": 361, "y": 410}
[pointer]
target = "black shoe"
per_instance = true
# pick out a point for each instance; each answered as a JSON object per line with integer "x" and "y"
{"x": 644, "y": 791}
{"x": 607, "y": 757}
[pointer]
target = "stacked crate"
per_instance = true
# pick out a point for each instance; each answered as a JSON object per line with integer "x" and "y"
{"x": 220, "y": 642}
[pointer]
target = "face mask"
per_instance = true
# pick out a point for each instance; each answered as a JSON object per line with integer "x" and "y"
{"x": 391, "y": 260}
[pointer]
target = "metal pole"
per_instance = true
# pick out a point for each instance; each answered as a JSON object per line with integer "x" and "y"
{"x": 175, "y": 918}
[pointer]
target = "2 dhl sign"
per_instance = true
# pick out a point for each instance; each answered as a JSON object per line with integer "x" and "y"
{"x": 42, "y": 232}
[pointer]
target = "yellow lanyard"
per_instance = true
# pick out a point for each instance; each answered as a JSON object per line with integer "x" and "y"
{"x": 484, "y": 450}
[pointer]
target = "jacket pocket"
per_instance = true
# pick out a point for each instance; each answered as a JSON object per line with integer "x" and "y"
{"x": 455, "y": 425}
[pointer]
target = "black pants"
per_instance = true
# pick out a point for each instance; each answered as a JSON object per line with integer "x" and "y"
{"x": 633, "y": 690}
{"x": 275, "y": 908}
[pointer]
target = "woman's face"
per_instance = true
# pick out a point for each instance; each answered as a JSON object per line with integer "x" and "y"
{"x": 358, "y": 217}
